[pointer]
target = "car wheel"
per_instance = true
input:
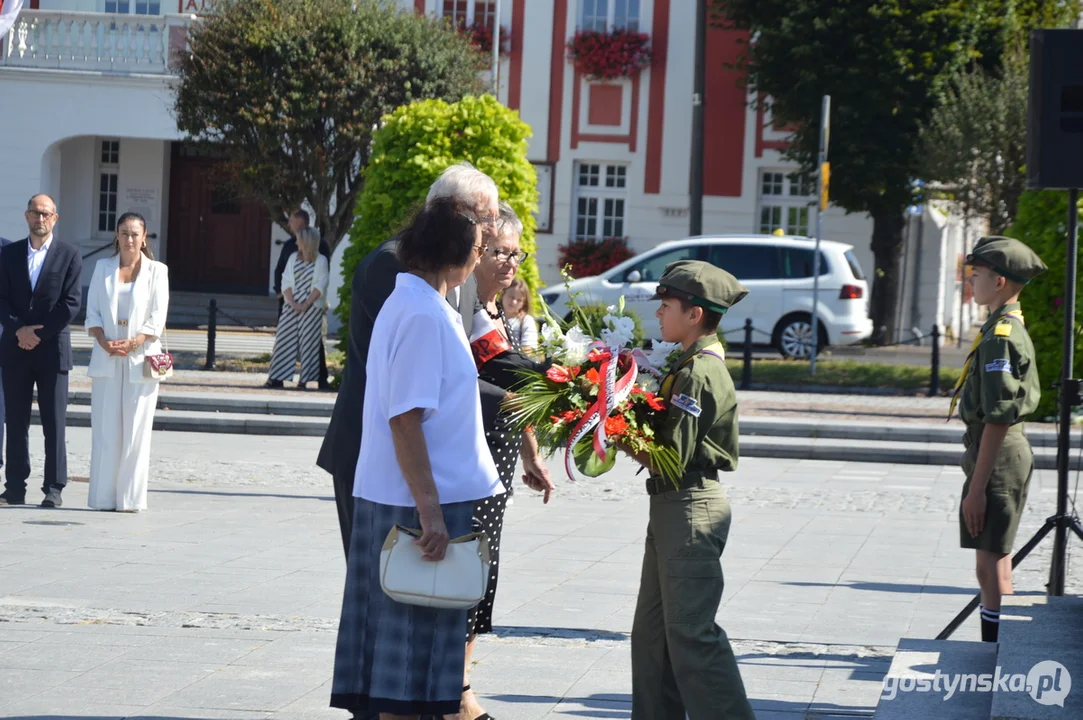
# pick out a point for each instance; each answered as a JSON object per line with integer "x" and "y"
{"x": 793, "y": 337}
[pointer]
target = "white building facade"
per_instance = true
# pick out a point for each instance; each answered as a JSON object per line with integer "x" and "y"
{"x": 86, "y": 88}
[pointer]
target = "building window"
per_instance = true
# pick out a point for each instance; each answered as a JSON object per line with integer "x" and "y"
{"x": 134, "y": 7}
{"x": 601, "y": 199}
{"x": 468, "y": 12}
{"x": 606, "y": 15}
{"x": 784, "y": 203}
{"x": 108, "y": 180}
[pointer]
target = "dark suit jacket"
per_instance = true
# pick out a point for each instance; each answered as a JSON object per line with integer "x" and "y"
{"x": 373, "y": 282}
{"x": 54, "y": 303}
{"x": 289, "y": 248}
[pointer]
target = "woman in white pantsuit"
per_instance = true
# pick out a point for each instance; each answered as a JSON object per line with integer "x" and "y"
{"x": 300, "y": 326}
{"x": 126, "y": 310}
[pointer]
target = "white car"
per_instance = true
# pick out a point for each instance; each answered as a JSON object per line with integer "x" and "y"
{"x": 777, "y": 270}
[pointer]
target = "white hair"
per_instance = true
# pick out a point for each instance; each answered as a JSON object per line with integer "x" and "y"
{"x": 465, "y": 183}
{"x": 510, "y": 224}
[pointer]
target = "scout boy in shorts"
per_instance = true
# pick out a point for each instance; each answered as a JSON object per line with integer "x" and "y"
{"x": 998, "y": 389}
{"x": 682, "y": 661}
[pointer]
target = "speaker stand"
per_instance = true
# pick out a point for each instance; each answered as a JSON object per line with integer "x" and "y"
{"x": 1069, "y": 390}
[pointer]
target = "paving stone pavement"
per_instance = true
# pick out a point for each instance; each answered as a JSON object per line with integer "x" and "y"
{"x": 222, "y": 601}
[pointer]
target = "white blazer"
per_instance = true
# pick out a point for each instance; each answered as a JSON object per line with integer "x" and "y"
{"x": 320, "y": 278}
{"x": 149, "y": 305}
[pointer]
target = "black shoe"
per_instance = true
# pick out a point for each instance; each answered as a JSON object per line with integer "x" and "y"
{"x": 273, "y": 384}
{"x": 52, "y": 499}
{"x": 8, "y": 498}
{"x": 324, "y": 385}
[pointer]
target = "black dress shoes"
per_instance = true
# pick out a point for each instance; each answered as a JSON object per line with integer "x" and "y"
{"x": 273, "y": 384}
{"x": 52, "y": 499}
{"x": 9, "y": 499}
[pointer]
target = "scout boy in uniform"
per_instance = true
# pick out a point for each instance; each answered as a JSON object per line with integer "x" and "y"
{"x": 682, "y": 661}
{"x": 998, "y": 389}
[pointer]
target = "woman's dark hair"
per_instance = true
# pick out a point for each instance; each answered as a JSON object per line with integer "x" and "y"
{"x": 142, "y": 221}
{"x": 441, "y": 236}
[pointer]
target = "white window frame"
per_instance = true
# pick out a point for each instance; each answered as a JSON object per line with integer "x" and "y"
{"x": 132, "y": 7}
{"x": 107, "y": 168}
{"x": 471, "y": 10}
{"x": 630, "y": 22}
{"x": 609, "y": 196}
{"x": 783, "y": 201}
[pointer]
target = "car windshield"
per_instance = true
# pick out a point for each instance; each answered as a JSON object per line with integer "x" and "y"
{"x": 650, "y": 268}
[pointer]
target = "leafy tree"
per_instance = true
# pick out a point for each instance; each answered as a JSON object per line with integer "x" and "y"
{"x": 1009, "y": 23}
{"x": 290, "y": 91}
{"x": 413, "y": 146}
{"x": 1042, "y": 223}
{"x": 976, "y": 141}
{"x": 885, "y": 63}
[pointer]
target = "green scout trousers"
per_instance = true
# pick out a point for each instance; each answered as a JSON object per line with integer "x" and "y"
{"x": 1006, "y": 492}
{"x": 682, "y": 661}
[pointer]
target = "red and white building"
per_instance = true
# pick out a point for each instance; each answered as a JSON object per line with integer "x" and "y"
{"x": 87, "y": 94}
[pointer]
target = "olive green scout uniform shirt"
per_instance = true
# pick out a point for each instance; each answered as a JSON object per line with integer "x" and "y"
{"x": 1002, "y": 384}
{"x": 701, "y": 420}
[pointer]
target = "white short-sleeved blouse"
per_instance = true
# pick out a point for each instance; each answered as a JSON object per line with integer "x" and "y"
{"x": 419, "y": 357}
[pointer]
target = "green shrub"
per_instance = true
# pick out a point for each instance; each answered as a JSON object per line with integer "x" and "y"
{"x": 413, "y": 146}
{"x": 1042, "y": 223}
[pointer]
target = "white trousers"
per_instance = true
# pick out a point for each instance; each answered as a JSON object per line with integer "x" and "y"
{"x": 121, "y": 419}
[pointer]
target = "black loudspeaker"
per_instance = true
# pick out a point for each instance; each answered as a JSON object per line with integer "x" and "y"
{"x": 1055, "y": 112}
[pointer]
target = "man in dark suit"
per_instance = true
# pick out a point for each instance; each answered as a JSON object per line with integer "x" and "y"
{"x": 298, "y": 221}
{"x": 3, "y": 241}
{"x": 40, "y": 293}
{"x": 373, "y": 281}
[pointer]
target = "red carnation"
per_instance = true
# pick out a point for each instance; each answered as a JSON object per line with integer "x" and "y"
{"x": 616, "y": 425}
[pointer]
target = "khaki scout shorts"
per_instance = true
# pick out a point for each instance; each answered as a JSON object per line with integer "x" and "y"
{"x": 1005, "y": 494}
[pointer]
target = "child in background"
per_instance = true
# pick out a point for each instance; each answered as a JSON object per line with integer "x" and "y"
{"x": 521, "y": 324}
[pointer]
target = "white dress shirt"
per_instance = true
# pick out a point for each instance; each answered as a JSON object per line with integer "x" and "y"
{"x": 420, "y": 358}
{"x": 35, "y": 260}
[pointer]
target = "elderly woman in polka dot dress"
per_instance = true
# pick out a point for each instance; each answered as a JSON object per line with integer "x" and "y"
{"x": 497, "y": 357}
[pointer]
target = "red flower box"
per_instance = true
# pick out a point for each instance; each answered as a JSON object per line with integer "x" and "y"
{"x": 609, "y": 55}
{"x": 481, "y": 35}
{"x": 593, "y": 257}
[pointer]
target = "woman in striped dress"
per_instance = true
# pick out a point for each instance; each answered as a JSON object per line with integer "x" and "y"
{"x": 300, "y": 327}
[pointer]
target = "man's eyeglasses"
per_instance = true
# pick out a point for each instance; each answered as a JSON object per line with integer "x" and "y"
{"x": 39, "y": 214}
{"x": 517, "y": 257}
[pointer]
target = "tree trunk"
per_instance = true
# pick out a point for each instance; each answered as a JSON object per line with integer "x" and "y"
{"x": 887, "y": 238}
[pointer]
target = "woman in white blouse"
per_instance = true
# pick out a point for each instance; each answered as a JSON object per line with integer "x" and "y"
{"x": 423, "y": 463}
{"x": 300, "y": 326}
{"x": 127, "y": 304}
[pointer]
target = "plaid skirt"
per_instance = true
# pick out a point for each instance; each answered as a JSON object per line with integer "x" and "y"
{"x": 391, "y": 657}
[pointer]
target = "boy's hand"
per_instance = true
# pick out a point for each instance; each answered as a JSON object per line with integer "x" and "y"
{"x": 974, "y": 512}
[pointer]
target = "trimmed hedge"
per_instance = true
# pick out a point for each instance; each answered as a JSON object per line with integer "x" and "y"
{"x": 413, "y": 146}
{"x": 1042, "y": 223}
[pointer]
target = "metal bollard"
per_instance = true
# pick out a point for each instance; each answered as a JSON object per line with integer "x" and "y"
{"x": 746, "y": 371}
{"x": 212, "y": 332}
{"x": 934, "y": 380}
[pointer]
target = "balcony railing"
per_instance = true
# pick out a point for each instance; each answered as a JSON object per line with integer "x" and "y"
{"x": 96, "y": 42}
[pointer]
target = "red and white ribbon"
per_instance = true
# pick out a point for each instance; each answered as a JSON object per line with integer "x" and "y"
{"x": 612, "y": 392}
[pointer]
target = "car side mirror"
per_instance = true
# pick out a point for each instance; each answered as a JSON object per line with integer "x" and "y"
{"x": 633, "y": 276}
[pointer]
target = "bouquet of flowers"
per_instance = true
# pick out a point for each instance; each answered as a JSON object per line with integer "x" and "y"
{"x": 599, "y": 392}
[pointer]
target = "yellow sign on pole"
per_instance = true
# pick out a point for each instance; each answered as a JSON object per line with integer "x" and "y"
{"x": 825, "y": 183}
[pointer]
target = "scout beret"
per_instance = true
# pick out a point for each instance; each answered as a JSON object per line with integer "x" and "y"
{"x": 700, "y": 283}
{"x": 1008, "y": 257}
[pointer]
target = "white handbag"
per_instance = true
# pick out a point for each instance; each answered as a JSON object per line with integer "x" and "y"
{"x": 458, "y": 581}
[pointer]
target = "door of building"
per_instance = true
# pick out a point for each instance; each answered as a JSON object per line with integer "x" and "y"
{"x": 218, "y": 241}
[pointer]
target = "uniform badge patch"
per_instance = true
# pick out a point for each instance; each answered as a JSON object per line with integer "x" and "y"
{"x": 1003, "y": 329}
{"x": 1003, "y": 365}
{"x": 688, "y": 404}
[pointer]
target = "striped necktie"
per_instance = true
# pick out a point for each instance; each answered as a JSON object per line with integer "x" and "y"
{"x": 1018, "y": 314}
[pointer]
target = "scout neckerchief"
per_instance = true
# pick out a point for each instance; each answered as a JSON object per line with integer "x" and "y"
{"x": 1018, "y": 315}
{"x": 714, "y": 348}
